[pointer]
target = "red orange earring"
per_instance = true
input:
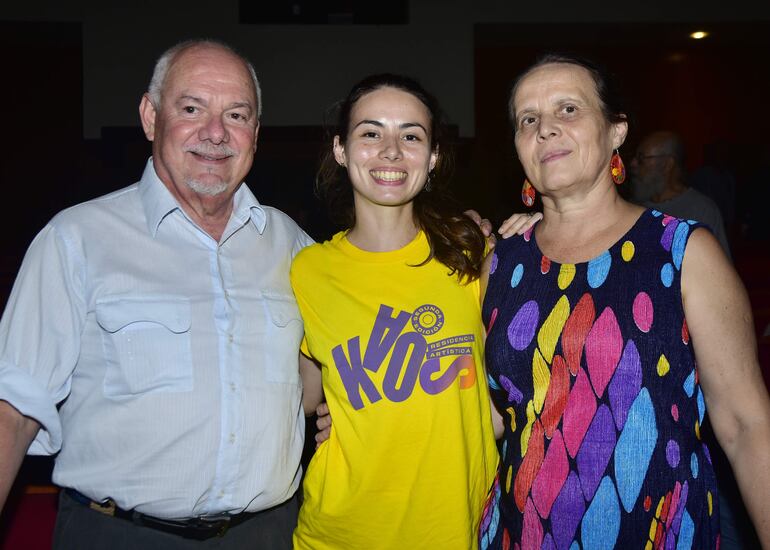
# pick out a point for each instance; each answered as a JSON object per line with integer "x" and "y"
{"x": 527, "y": 193}
{"x": 617, "y": 168}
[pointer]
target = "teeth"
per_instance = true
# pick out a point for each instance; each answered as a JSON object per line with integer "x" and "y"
{"x": 388, "y": 175}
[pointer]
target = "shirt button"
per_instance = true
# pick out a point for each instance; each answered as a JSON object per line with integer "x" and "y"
{"x": 232, "y": 386}
{"x": 232, "y": 438}
{"x": 221, "y": 494}
{"x": 230, "y": 338}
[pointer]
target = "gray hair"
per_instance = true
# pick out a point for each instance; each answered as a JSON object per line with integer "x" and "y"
{"x": 168, "y": 57}
{"x": 671, "y": 143}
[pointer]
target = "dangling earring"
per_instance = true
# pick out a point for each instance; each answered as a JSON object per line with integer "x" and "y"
{"x": 427, "y": 187}
{"x": 617, "y": 168}
{"x": 527, "y": 194}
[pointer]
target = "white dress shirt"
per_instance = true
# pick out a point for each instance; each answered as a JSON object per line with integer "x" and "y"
{"x": 172, "y": 357}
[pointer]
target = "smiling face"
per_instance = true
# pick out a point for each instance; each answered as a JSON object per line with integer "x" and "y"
{"x": 387, "y": 150}
{"x": 563, "y": 138}
{"x": 204, "y": 131}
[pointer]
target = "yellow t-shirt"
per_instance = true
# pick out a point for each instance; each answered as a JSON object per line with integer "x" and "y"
{"x": 412, "y": 452}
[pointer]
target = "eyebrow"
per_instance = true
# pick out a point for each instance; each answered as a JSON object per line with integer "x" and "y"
{"x": 577, "y": 101}
{"x": 402, "y": 126}
{"x": 183, "y": 98}
{"x": 239, "y": 105}
{"x": 201, "y": 101}
{"x": 561, "y": 100}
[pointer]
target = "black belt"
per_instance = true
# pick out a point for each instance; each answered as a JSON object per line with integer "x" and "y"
{"x": 201, "y": 528}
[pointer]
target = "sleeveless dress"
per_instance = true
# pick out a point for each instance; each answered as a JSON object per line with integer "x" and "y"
{"x": 592, "y": 366}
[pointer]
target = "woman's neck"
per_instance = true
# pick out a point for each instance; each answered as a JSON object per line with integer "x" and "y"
{"x": 383, "y": 229}
{"x": 576, "y": 229}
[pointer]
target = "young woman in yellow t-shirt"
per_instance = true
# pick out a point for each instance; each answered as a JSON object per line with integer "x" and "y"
{"x": 392, "y": 316}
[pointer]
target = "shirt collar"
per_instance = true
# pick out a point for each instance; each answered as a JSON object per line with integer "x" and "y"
{"x": 158, "y": 202}
{"x": 246, "y": 207}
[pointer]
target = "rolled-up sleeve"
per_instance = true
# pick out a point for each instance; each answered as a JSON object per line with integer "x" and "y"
{"x": 40, "y": 334}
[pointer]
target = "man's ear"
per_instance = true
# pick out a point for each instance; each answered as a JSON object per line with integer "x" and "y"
{"x": 256, "y": 135}
{"x": 147, "y": 115}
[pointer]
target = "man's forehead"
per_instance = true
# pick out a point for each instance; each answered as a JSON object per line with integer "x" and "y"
{"x": 219, "y": 62}
{"x": 209, "y": 67}
{"x": 649, "y": 145}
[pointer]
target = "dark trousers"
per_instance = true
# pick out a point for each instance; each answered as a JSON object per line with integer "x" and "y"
{"x": 80, "y": 528}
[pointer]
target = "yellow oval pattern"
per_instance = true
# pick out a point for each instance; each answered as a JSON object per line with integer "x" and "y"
{"x": 627, "y": 251}
{"x": 513, "y": 418}
{"x": 541, "y": 379}
{"x": 549, "y": 333}
{"x": 653, "y": 528}
{"x": 528, "y": 428}
{"x": 566, "y": 274}
{"x": 663, "y": 366}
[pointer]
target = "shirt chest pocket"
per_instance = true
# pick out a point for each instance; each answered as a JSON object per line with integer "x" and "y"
{"x": 146, "y": 345}
{"x": 283, "y": 337}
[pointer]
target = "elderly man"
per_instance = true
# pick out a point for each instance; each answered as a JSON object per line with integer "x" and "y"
{"x": 152, "y": 338}
{"x": 658, "y": 178}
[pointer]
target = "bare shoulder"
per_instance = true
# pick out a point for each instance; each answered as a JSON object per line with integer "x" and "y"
{"x": 705, "y": 264}
{"x": 702, "y": 242}
{"x": 714, "y": 297}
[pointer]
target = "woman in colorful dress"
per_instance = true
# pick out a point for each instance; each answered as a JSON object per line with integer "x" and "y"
{"x": 392, "y": 312}
{"x": 594, "y": 333}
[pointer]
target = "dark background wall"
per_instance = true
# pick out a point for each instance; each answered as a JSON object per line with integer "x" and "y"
{"x": 73, "y": 74}
{"x": 705, "y": 90}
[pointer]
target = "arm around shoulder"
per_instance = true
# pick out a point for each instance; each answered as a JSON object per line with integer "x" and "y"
{"x": 486, "y": 266}
{"x": 719, "y": 320}
{"x": 312, "y": 385}
{"x": 497, "y": 418}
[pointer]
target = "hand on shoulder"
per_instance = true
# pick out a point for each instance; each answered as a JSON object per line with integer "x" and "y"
{"x": 519, "y": 223}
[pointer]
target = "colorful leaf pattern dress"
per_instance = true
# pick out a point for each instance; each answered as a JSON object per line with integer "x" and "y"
{"x": 592, "y": 366}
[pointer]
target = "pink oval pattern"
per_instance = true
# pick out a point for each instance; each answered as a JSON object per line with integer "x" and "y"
{"x": 552, "y": 475}
{"x": 604, "y": 344}
{"x": 581, "y": 407}
{"x": 642, "y": 310}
